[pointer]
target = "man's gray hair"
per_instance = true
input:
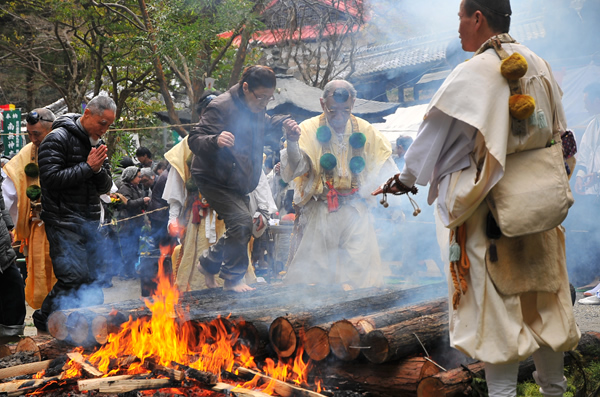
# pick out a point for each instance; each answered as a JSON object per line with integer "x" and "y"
{"x": 146, "y": 171}
{"x": 101, "y": 103}
{"x": 339, "y": 83}
{"x": 45, "y": 114}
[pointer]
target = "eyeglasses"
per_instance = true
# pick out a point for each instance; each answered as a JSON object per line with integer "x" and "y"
{"x": 263, "y": 98}
{"x": 34, "y": 117}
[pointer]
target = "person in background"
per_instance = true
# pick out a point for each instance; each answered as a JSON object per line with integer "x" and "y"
{"x": 20, "y": 187}
{"x": 74, "y": 172}
{"x": 504, "y": 317}
{"x": 336, "y": 158}
{"x": 403, "y": 142}
{"x": 583, "y": 252}
{"x": 144, "y": 156}
{"x": 160, "y": 167}
{"x": 147, "y": 180}
{"x": 123, "y": 163}
{"x": 130, "y": 221}
{"x": 158, "y": 214}
{"x": 228, "y": 146}
{"x": 12, "y": 297}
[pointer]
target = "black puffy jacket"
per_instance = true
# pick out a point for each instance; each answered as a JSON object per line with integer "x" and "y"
{"x": 70, "y": 189}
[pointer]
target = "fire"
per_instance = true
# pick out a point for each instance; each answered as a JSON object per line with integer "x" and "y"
{"x": 165, "y": 340}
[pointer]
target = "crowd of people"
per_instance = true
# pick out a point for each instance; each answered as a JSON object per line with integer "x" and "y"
{"x": 79, "y": 223}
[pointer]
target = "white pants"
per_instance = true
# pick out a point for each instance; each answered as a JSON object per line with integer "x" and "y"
{"x": 502, "y": 378}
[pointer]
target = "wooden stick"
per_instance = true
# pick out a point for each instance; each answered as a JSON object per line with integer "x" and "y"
{"x": 282, "y": 388}
{"x": 231, "y": 390}
{"x": 24, "y": 369}
{"x": 123, "y": 384}
{"x": 173, "y": 374}
{"x": 85, "y": 365}
{"x": 24, "y": 386}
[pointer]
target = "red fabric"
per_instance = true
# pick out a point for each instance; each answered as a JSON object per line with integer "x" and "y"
{"x": 196, "y": 214}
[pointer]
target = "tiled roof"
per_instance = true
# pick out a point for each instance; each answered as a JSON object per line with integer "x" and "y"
{"x": 420, "y": 51}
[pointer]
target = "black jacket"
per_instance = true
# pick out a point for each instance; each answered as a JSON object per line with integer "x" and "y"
{"x": 70, "y": 189}
{"x": 237, "y": 168}
{"x": 135, "y": 206}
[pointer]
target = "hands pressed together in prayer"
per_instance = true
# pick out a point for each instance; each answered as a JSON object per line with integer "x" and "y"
{"x": 96, "y": 157}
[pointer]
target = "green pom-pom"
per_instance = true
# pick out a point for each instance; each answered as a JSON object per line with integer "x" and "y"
{"x": 357, "y": 140}
{"x": 282, "y": 183}
{"x": 357, "y": 164}
{"x": 328, "y": 161}
{"x": 191, "y": 186}
{"x": 323, "y": 134}
{"x": 454, "y": 252}
{"x": 32, "y": 170}
{"x": 34, "y": 192}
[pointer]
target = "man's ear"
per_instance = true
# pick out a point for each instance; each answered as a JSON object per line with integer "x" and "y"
{"x": 478, "y": 19}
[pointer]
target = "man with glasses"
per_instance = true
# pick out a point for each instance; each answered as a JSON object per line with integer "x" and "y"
{"x": 336, "y": 159}
{"x": 19, "y": 186}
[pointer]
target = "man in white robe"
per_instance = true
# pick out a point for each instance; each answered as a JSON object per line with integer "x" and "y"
{"x": 461, "y": 152}
{"x": 338, "y": 244}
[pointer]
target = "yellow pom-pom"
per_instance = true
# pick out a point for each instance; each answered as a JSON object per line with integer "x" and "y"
{"x": 514, "y": 67}
{"x": 521, "y": 106}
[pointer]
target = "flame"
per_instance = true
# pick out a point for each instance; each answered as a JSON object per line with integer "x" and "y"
{"x": 165, "y": 339}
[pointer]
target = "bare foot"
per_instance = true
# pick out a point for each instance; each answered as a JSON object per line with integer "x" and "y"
{"x": 209, "y": 279}
{"x": 239, "y": 286}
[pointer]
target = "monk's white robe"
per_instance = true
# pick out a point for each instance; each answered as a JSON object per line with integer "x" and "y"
{"x": 588, "y": 154}
{"x": 461, "y": 151}
{"x": 341, "y": 246}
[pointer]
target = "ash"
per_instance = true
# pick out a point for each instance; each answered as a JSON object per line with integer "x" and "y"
{"x": 24, "y": 357}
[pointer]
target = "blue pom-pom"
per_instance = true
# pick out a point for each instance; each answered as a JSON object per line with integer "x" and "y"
{"x": 357, "y": 140}
{"x": 323, "y": 134}
{"x": 357, "y": 164}
{"x": 328, "y": 161}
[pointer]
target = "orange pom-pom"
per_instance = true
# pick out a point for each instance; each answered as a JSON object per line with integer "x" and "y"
{"x": 521, "y": 106}
{"x": 514, "y": 67}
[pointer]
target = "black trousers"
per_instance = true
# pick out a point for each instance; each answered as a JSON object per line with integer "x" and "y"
{"x": 76, "y": 257}
{"x": 229, "y": 255}
{"x": 12, "y": 296}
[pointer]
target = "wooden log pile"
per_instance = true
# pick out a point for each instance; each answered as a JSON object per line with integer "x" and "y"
{"x": 374, "y": 340}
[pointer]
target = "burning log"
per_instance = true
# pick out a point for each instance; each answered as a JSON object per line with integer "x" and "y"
{"x": 282, "y": 388}
{"x": 405, "y": 338}
{"x": 22, "y": 387}
{"x": 85, "y": 365}
{"x": 390, "y": 379}
{"x": 231, "y": 390}
{"x": 24, "y": 369}
{"x": 123, "y": 384}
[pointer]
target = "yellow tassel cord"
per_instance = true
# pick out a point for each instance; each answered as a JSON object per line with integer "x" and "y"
{"x": 521, "y": 106}
{"x": 514, "y": 67}
{"x": 459, "y": 269}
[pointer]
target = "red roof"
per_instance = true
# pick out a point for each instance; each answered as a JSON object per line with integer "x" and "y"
{"x": 268, "y": 37}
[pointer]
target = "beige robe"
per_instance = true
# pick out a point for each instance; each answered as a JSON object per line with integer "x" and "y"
{"x": 489, "y": 325}
{"x": 341, "y": 246}
{"x": 31, "y": 232}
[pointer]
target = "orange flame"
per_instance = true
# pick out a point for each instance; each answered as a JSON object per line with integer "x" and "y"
{"x": 211, "y": 347}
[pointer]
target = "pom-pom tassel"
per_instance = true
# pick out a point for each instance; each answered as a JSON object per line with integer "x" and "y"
{"x": 454, "y": 252}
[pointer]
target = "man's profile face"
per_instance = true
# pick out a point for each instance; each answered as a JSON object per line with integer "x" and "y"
{"x": 337, "y": 113}
{"x": 96, "y": 125}
{"x": 400, "y": 151}
{"x": 144, "y": 159}
{"x": 467, "y": 29}
{"x": 37, "y": 132}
